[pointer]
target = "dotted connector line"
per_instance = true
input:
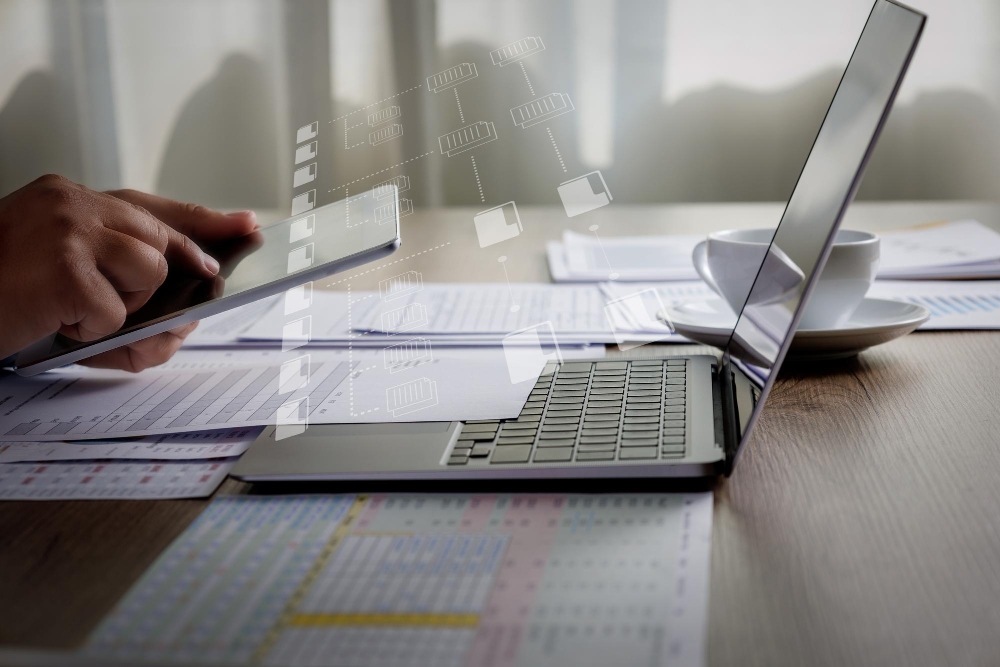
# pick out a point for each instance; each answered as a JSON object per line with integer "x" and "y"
{"x": 350, "y": 359}
{"x": 380, "y": 171}
{"x": 530, "y": 87}
{"x": 379, "y": 268}
{"x": 375, "y": 104}
{"x": 461, "y": 116}
{"x": 558, "y": 154}
{"x": 479, "y": 183}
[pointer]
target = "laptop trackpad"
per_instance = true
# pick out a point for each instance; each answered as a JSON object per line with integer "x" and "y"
{"x": 337, "y": 449}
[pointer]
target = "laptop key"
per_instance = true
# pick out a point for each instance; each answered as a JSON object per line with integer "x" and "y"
{"x": 596, "y": 446}
{"x": 612, "y": 417}
{"x": 548, "y": 428}
{"x": 676, "y": 362}
{"x": 607, "y": 392}
{"x": 457, "y": 460}
{"x": 551, "y": 454}
{"x": 635, "y": 453}
{"x": 518, "y": 426}
{"x": 558, "y": 442}
{"x": 563, "y": 413}
{"x": 591, "y": 410}
{"x": 673, "y": 408}
{"x": 674, "y": 394}
{"x": 672, "y": 449}
{"x": 676, "y": 380}
{"x": 479, "y": 428}
{"x": 641, "y": 442}
{"x": 642, "y": 420}
{"x": 673, "y": 416}
{"x": 528, "y": 419}
{"x": 532, "y": 405}
{"x": 481, "y": 450}
{"x": 655, "y": 398}
{"x": 674, "y": 401}
{"x": 566, "y": 401}
{"x": 561, "y": 420}
{"x": 595, "y": 456}
{"x": 561, "y": 393}
{"x": 673, "y": 440}
{"x": 667, "y": 430}
{"x": 511, "y": 454}
{"x": 576, "y": 367}
{"x": 631, "y": 428}
{"x": 604, "y": 404}
{"x": 555, "y": 435}
{"x": 641, "y": 413}
{"x": 531, "y": 411}
{"x": 599, "y": 431}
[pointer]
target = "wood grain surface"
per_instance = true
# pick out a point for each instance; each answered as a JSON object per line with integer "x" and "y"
{"x": 862, "y": 526}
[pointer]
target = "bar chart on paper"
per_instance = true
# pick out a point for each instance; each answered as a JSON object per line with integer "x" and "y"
{"x": 426, "y": 580}
{"x": 965, "y": 304}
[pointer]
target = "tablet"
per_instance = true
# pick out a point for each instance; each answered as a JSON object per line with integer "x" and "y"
{"x": 272, "y": 259}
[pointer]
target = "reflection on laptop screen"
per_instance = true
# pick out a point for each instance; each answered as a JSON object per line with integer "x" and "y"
{"x": 825, "y": 187}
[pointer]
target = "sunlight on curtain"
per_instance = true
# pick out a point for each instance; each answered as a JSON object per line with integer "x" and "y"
{"x": 25, "y": 42}
{"x": 594, "y": 41}
{"x": 360, "y": 60}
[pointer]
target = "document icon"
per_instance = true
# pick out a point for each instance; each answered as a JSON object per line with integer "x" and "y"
{"x": 301, "y": 258}
{"x": 383, "y": 116}
{"x": 411, "y": 396}
{"x": 528, "y": 350}
{"x": 636, "y": 313}
{"x": 385, "y": 188}
{"x": 406, "y": 355}
{"x": 304, "y": 175}
{"x": 298, "y": 298}
{"x": 301, "y": 229}
{"x": 541, "y": 109}
{"x": 296, "y": 333}
{"x": 292, "y": 418}
{"x": 498, "y": 224}
{"x": 307, "y": 152}
{"x": 293, "y": 374}
{"x": 408, "y": 317}
{"x": 584, "y": 193}
{"x": 307, "y": 132}
{"x": 304, "y": 202}
{"x": 515, "y": 51}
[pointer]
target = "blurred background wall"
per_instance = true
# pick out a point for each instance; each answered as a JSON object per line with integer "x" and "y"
{"x": 676, "y": 100}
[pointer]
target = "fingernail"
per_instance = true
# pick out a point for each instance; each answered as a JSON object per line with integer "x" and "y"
{"x": 242, "y": 214}
{"x": 211, "y": 265}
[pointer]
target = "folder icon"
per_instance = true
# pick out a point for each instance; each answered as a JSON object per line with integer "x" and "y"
{"x": 636, "y": 313}
{"x": 304, "y": 202}
{"x": 307, "y": 132}
{"x": 293, "y": 374}
{"x": 307, "y": 152}
{"x": 292, "y": 418}
{"x": 301, "y": 229}
{"x": 298, "y": 298}
{"x": 584, "y": 193}
{"x": 304, "y": 175}
{"x": 296, "y": 333}
{"x": 498, "y": 224}
{"x": 411, "y": 396}
{"x": 301, "y": 258}
{"x": 528, "y": 350}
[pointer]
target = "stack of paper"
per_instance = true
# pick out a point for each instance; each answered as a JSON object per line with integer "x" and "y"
{"x": 580, "y": 258}
{"x": 946, "y": 250}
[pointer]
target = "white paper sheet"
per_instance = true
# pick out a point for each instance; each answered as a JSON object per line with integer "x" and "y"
{"x": 965, "y": 304}
{"x": 220, "y": 444}
{"x": 554, "y": 580}
{"x": 101, "y": 480}
{"x": 580, "y": 257}
{"x": 224, "y": 328}
{"x": 243, "y": 388}
{"x": 960, "y": 249}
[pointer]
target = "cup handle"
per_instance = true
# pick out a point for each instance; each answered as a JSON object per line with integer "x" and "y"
{"x": 699, "y": 256}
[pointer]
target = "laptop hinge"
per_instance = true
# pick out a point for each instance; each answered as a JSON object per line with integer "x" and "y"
{"x": 730, "y": 419}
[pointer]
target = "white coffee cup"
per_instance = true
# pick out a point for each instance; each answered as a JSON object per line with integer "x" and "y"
{"x": 730, "y": 261}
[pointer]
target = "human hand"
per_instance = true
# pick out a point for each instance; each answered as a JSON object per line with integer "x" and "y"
{"x": 77, "y": 261}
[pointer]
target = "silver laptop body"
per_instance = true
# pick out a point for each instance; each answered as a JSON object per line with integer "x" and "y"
{"x": 637, "y": 415}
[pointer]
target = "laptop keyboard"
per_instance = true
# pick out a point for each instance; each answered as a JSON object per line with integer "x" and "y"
{"x": 581, "y": 412}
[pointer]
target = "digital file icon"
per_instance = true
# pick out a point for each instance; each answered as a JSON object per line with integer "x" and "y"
{"x": 384, "y": 134}
{"x": 301, "y": 229}
{"x": 405, "y": 318}
{"x": 296, "y": 333}
{"x": 408, "y": 354}
{"x": 528, "y": 350}
{"x": 387, "y": 212}
{"x": 307, "y": 152}
{"x": 497, "y": 224}
{"x": 400, "y": 286}
{"x": 306, "y": 174}
{"x": 304, "y": 202}
{"x": 307, "y": 132}
{"x": 584, "y": 193}
{"x": 409, "y": 397}
{"x": 292, "y": 418}
{"x": 451, "y": 77}
{"x": 466, "y": 138}
{"x": 541, "y": 109}
{"x": 515, "y": 51}
{"x": 385, "y": 190}
{"x": 298, "y": 298}
{"x": 637, "y": 313}
{"x": 293, "y": 375}
{"x": 383, "y": 116}
{"x": 301, "y": 258}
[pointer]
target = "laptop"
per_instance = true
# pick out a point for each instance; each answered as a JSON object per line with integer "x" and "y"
{"x": 637, "y": 416}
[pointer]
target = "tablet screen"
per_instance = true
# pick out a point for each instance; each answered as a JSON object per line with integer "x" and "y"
{"x": 264, "y": 262}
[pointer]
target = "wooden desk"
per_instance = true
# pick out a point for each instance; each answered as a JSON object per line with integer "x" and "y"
{"x": 861, "y": 527}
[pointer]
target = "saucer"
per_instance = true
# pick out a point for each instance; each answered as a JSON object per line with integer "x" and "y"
{"x": 875, "y": 321}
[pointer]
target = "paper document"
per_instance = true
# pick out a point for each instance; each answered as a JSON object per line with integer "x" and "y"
{"x": 418, "y": 580}
{"x": 247, "y": 388}
{"x": 961, "y": 249}
{"x": 109, "y": 480}
{"x": 219, "y": 444}
{"x": 954, "y": 304}
{"x": 224, "y": 329}
{"x": 583, "y": 258}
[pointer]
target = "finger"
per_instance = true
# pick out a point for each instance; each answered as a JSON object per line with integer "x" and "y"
{"x": 198, "y": 222}
{"x": 129, "y": 264}
{"x": 91, "y": 308}
{"x": 142, "y": 354}
{"x": 178, "y": 249}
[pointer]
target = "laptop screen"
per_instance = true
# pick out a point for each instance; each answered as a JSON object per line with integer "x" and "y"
{"x": 825, "y": 187}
